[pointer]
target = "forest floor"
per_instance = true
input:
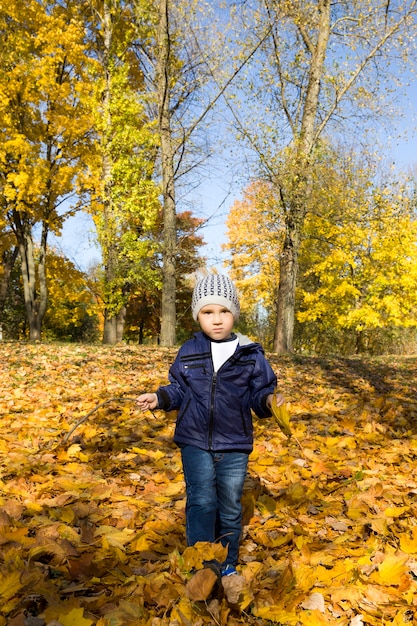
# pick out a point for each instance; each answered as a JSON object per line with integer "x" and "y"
{"x": 92, "y": 497}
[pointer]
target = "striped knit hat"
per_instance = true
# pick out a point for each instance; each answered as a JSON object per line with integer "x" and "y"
{"x": 215, "y": 289}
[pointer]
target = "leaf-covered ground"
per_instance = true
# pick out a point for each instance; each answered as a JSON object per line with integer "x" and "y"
{"x": 92, "y": 521}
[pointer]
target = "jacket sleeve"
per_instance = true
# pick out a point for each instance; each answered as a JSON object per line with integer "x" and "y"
{"x": 263, "y": 383}
{"x": 171, "y": 396}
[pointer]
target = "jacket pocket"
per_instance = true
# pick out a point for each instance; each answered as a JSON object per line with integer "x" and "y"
{"x": 244, "y": 424}
{"x": 183, "y": 411}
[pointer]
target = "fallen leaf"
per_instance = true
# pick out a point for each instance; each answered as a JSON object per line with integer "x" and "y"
{"x": 314, "y": 602}
{"x": 200, "y": 586}
{"x": 75, "y": 618}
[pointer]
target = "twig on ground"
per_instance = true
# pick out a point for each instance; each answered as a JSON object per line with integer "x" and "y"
{"x": 85, "y": 418}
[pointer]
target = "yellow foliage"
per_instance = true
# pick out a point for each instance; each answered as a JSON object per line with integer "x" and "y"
{"x": 75, "y": 618}
{"x": 183, "y": 612}
{"x": 408, "y": 541}
{"x": 194, "y": 556}
{"x": 282, "y": 417}
{"x": 313, "y": 618}
{"x": 115, "y": 537}
{"x": 396, "y": 511}
{"x": 392, "y": 569}
{"x": 255, "y": 235}
{"x": 10, "y": 585}
{"x": 277, "y": 614}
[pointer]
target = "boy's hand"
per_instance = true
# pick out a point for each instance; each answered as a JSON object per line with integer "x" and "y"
{"x": 147, "y": 401}
{"x": 279, "y": 399}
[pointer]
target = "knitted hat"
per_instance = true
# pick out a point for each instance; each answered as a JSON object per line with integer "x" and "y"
{"x": 215, "y": 289}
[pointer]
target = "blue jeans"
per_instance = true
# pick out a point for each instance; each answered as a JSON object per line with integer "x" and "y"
{"x": 214, "y": 485}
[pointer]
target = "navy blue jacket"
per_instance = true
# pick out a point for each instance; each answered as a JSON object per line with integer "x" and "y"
{"x": 214, "y": 409}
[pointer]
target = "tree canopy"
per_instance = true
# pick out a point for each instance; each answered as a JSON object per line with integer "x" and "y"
{"x": 113, "y": 107}
{"x": 358, "y": 258}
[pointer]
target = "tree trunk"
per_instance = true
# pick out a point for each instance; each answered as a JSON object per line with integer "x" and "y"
{"x": 108, "y": 245}
{"x": 168, "y": 313}
{"x": 8, "y": 260}
{"x": 34, "y": 278}
{"x": 120, "y": 324}
{"x": 296, "y": 204}
{"x": 110, "y": 330}
{"x": 114, "y": 327}
{"x": 288, "y": 271}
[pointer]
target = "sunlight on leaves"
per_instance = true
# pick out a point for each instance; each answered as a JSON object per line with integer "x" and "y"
{"x": 93, "y": 531}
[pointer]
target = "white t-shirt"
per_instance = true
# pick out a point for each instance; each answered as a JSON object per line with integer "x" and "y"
{"x": 223, "y": 350}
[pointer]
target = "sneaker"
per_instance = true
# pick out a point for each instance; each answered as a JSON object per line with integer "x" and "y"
{"x": 228, "y": 570}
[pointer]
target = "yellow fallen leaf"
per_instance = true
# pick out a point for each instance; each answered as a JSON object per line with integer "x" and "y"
{"x": 409, "y": 544}
{"x": 9, "y": 585}
{"x": 377, "y": 595}
{"x": 392, "y": 569}
{"x": 115, "y": 537}
{"x": 305, "y": 577}
{"x": 282, "y": 417}
{"x": 144, "y": 542}
{"x": 402, "y": 618}
{"x": 396, "y": 511}
{"x": 194, "y": 556}
{"x": 276, "y": 614}
{"x": 347, "y": 593}
{"x": 174, "y": 489}
{"x": 75, "y": 618}
{"x": 272, "y": 538}
{"x": 183, "y": 612}
{"x": 313, "y": 618}
{"x": 73, "y": 450}
{"x": 67, "y": 515}
{"x": 68, "y": 532}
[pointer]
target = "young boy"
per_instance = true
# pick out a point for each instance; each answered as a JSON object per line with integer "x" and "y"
{"x": 217, "y": 378}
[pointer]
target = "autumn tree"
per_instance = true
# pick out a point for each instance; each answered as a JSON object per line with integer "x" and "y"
{"x": 255, "y": 231}
{"x": 358, "y": 287}
{"x": 43, "y": 134}
{"x": 323, "y": 69}
{"x": 163, "y": 84}
{"x": 13, "y": 320}
{"x": 143, "y": 315}
{"x": 73, "y": 312}
{"x": 125, "y": 201}
{"x": 357, "y": 259}
{"x": 186, "y": 76}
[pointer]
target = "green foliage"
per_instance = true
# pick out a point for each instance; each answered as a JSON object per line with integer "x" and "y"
{"x": 125, "y": 202}
{"x": 143, "y": 314}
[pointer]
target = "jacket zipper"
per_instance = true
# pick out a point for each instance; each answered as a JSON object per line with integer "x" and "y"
{"x": 211, "y": 420}
{"x": 231, "y": 359}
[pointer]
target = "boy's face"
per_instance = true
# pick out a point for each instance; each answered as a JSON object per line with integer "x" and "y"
{"x": 216, "y": 321}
